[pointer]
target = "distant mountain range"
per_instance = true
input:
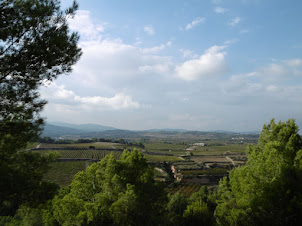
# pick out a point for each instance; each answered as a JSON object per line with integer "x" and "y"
{"x": 76, "y": 131}
{"x": 83, "y": 127}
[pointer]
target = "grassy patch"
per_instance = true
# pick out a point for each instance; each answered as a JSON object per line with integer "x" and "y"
{"x": 85, "y": 154}
{"x": 63, "y": 173}
{"x": 162, "y": 158}
{"x": 219, "y": 150}
{"x": 165, "y": 146}
{"x": 105, "y": 145}
{"x": 31, "y": 145}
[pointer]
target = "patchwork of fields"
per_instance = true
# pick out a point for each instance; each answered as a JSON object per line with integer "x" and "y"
{"x": 173, "y": 163}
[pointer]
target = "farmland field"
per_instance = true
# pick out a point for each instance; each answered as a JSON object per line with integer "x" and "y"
{"x": 166, "y": 147}
{"x": 85, "y": 154}
{"x": 186, "y": 165}
{"x": 106, "y": 145}
{"x": 162, "y": 158}
{"x": 219, "y": 150}
{"x": 210, "y": 159}
{"x": 62, "y": 173}
{"x": 186, "y": 188}
{"x": 189, "y": 164}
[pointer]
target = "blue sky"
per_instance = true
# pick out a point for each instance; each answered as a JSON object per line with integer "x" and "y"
{"x": 198, "y": 65}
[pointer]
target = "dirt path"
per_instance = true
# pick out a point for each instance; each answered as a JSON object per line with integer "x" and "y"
{"x": 231, "y": 160}
{"x": 160, "y": 170}
{"x": 38, "y": 146}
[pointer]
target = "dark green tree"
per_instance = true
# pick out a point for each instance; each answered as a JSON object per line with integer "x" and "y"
{"x": 200, "y": 209}
{"x": 35, "y": 47}
{"x": 115, "y": 192}
{"x": 197, "y": 213}
{"x": 175, "y": 208}
{"x": 268, "y": 189}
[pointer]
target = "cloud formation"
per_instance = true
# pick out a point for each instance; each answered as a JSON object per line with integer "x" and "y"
{"x": 211, "y": 63}
{"x": 58, "y": 94}
{"x": 82, "y": 23}
{"x": 220, "y": 10}
{"x": 267, "y": 80}
{"x": 149, "y": 30}
{"x": 195, "y": 22}
{"x": 294, "y": 62}
{"x": 234, "y": 21}
{"x": 144, "y": 82}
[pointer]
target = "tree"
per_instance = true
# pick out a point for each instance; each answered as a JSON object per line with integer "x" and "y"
{"x": 197, "y": 213}
{"x": 200, "y": 209}
{"x": 268, "y": 189}
{"x": 35, "y": 46}
{"x": 118, "y": 192}
{"x": 175, "y": 208}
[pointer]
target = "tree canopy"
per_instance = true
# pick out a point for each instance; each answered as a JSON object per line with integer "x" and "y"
{"x": 119, "y": 192}
{"x": 35, "y": 47}
{"x": 269, "y": 187}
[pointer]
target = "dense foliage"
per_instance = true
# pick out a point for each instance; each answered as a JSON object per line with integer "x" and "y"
{"x": 35, "y": 47}
{"x": 121, "y": 192}
{"x": 269, "y": 187}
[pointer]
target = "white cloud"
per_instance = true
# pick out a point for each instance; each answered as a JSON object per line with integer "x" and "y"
{"x": 272, "y": 72}
{"x": 265, "y": 80}
{"x": 273, "y": 88}
{"x": 58, "y": 94}
{"x": 115, "y": 80}
{"x": 220, "y": 10}
{"x": 117, "y": 102}
{"x": 169, "y": 43}
{"x": 149, "y": 30}
{"x": 244, "y": 31}
{"x": 212, "y": 62}
{"x": 231, "y": 41}
{"x": 138, "y": 41}
{"x": 234, "y": 21}
{"x": 83, "y": 24}
{"x": 195, "y": 22}
{"x": 186, "y": 53}
{"x": 154, "y": 49}
{"x": 242, "y": 85}
{"x": 294, "y": 62}
{"x": 155, "y": 68}
{"x": 111, "y": 63}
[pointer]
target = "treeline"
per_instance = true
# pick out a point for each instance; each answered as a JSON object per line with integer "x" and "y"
{"x": 117, "y": 192}
{"x": 49, "y": 140}
{"x": 266, "y": 191}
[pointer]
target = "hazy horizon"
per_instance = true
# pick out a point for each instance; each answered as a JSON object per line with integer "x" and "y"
{"x": 65, "y": 124}
{"x": 196, "y": 65}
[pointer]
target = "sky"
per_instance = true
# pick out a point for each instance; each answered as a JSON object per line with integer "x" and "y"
{"x": 196, "y": 65}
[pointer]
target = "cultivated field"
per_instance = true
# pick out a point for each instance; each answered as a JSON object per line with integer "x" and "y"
{"x": 63, "y": 173}
{"x": 202, "y": 165}
{"x": 105, "y": 145}
{"x": 84, "y": 154}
